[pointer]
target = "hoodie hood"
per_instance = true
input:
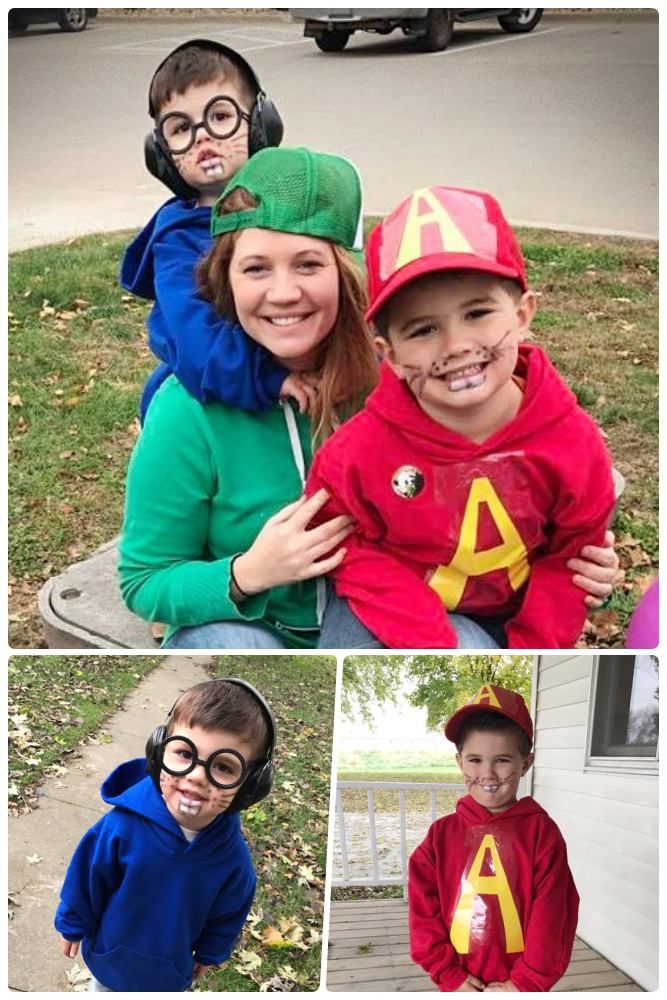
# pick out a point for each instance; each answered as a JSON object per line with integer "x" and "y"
{"x": 130, "y": 789}
{"x": 137, "y": 274}
{"x": 471, "y": 813}
{"x": 546, "y": 401}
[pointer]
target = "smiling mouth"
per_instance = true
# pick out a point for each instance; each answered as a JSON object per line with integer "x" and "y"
{"x": 189, "y": 803}
{"x": 211, "y": 164}
{"x": 466, "y": 377}
{"x": 286, "y": 321}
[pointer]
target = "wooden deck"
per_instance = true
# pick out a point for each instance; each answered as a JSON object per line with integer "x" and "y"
{"x": 368, "y": 951}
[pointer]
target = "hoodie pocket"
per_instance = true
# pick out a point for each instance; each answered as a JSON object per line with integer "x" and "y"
{"x": 123, "y": 970}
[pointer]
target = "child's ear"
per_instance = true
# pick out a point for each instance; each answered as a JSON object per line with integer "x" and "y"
{"x": 386, "y": 351}
{"x": 527, "y": 764}
{"x": 525, "y": 312}
{"x": 458, "y": 761}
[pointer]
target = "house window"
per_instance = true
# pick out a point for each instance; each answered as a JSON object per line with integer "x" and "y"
{"x": 625, "y": 713}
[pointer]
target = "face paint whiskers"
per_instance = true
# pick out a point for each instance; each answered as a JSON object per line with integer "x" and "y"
{"x": 465, "y": 369}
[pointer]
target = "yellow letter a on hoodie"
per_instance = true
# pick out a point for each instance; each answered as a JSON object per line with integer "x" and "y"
{"x": 488, "y": 885}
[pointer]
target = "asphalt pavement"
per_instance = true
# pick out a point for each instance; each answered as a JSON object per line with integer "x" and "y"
{"x": 561, "y": 124}
{"x": 42, "y": 842}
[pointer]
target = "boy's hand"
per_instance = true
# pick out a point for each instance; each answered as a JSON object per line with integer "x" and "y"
{"x": 200, "y": 970}
{"x": 596, "y": 570}
{"x": 69, "y": 948}
{"x": 506, "y": 987}
{"x": 302, "y": 387}
{"x": 287, "y": 551}
{"x": 471, "y": 984}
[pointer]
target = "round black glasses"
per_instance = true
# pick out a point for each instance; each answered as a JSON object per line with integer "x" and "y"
{"x": 225, "y": 768}
{"x": 222, "y": 118}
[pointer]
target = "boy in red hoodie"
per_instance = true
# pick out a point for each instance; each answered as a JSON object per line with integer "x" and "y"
{"x": 472, "y": 474}
{"x": 493, "y": 906}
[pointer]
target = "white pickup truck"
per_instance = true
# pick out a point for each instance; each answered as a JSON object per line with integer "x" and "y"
{"x": 431, "y": 27}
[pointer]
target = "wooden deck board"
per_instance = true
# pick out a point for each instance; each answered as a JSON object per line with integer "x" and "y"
{"x": 369, "y": 951}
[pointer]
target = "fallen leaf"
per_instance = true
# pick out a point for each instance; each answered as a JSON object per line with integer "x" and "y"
{"x": 33, "y": 859}
{"x": 272, "y": 938}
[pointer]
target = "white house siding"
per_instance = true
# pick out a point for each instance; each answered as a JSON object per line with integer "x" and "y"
{"x": 609, "y": 821}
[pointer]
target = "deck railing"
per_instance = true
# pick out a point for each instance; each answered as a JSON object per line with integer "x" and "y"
{"x": 343, "y": 876}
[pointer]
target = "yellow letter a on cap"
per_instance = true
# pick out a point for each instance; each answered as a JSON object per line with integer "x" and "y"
{"x": 489, "y": 885}
{"x": 486, "y": 694}
{"x": 453, "y": 240}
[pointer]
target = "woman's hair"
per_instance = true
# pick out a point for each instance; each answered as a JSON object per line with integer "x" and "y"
{"x": 348, "y": 365}
{"x": 220, "y": 705}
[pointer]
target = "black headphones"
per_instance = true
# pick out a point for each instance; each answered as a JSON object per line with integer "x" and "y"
{"x": 258, "y": 783}
{"x": 265, "y": 127}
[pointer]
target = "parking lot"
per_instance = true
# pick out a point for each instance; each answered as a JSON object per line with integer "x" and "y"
{"x": 561, "y": 124}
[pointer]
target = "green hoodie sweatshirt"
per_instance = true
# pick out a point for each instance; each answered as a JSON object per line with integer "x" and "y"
{"x": 202, "y": 482}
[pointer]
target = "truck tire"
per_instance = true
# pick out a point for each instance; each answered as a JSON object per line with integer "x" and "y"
{"x": 439, "y": 28}
{"x": 332, "y": 41}
{"x": 521, "y": 20}
{"x": 73, "y": 18}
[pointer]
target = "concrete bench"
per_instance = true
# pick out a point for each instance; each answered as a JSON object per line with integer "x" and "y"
{"x": 81, "y": 608}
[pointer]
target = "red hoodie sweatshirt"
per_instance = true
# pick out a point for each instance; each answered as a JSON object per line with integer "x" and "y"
{"x": 447, "y": 524}
{"x": 492, "y": 896}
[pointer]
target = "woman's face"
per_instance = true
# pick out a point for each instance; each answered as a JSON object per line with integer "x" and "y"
{"x": 286, "y": 292}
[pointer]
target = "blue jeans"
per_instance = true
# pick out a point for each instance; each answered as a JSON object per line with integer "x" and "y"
{"x": 224, "y": 635}
{"x": 341, "y": 629}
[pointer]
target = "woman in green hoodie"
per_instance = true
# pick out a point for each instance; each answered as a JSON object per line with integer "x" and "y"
{"x": 216, "y": 540}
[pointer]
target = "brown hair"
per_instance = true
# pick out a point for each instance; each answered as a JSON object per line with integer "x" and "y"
{"x": 221, "y": 705}
{"x": 348, "y": 365}
{"x": 493, "y": 722}
{"x": 196, "y": 66}
{"x": 383, "y": 317}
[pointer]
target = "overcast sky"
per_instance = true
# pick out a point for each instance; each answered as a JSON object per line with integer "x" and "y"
{"x": 399, "y": 727}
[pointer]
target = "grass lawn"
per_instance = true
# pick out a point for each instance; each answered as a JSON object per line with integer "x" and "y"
{"x": 58, "y": 704}
{"x": 78, "y": 358}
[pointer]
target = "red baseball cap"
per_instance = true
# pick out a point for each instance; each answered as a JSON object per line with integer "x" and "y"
{"x": 440, "y": 229}
{"x": 491, "y": 698}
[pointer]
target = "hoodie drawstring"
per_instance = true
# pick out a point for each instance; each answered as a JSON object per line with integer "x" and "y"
{"x": 299, "y": 461}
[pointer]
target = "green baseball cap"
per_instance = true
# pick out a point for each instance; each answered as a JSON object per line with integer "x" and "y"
{"x": 297, "y": 191}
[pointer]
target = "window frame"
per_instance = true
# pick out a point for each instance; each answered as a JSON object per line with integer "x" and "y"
{"x": 630, "y": 764}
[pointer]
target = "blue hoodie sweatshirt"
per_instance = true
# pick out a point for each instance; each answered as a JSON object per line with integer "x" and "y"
{"x": 210, "y": 355}
{"x": 143, "y": 899}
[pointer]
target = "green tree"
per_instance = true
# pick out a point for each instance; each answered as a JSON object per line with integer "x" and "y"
{"x": 369, "y": 681}
{"x": 440, "y": 683}
{"x": 445, "y": 683}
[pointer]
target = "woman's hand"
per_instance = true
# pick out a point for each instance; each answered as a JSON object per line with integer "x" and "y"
{"x": 506, "y": 987}
{"x": 596, "y": 571}
{"x": 287, "y": 551}
{"x": 471, "y": 984}
{"x": 69, "y": 948}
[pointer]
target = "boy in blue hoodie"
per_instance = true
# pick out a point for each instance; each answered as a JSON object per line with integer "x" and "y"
{"x": 160, "y": 887}
{"x": 210, "y": 114}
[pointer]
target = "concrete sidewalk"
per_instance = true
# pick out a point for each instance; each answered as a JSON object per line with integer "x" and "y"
{"x": 69, "y": 805}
